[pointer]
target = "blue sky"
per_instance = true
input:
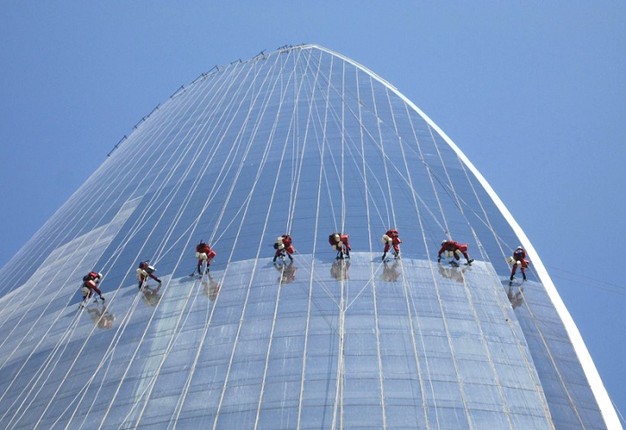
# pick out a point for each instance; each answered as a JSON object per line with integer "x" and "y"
{"x": 533, "y": 93}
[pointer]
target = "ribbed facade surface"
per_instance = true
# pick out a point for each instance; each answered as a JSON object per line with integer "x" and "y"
{"x": 302, "y": 141}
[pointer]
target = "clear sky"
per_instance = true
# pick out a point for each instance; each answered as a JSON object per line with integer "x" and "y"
{"x": 533, "y": 93}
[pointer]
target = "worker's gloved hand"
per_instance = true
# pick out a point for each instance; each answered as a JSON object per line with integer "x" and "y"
{"x": 438, "y": 259}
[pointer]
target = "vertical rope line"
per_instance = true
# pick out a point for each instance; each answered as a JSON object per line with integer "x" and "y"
{"x": 292, "y": 134}
{"x": 451, "y": 187}
{"x": 83, "y": 212}
{"x": 324, "y": 123}
{"x": 146, "y": 393}
{"x": 265, "y": 225}
{"x": 140, "y": 344}
{"x": 312, "y": 119}
{"x": 343, "y": 144}
{"x": 182, "y": 397}
{"x": 381, "y": 384}
{"x": 428, "y": 171}
{"x": 137, "y": 349}
{"x": 555, "y": 366}
{"x": 485, "y": 346}
{"x": 452, "y": 350}
{"x": 299, "y": 82}
{"x": 438, "y": 295}
{"x": 266, "y": 222}
{"x": 203, "y": 169}
{"x": 254, "y": 268}
{"x": 529, "y": 366}
{"x": 39, "y": 372}
{"x": 388, "y": 199}
{"x": 486, "y": 220}
{"x": 311, "y": 283}
{"x": 325, "y": 143}
{"x": 340, "y": 373}
{"x": 337, "y": 121}
{"x": 153, "y": 382}
{"x": 407, "y": 294}
{"x": 207, "y": 324}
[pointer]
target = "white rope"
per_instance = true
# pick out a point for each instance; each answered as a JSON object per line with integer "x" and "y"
{"x": 405, "y": 289}
{"x": 339, "y": 121}
{"x": 297, "y": 162}
{"x": 151, "y": 383}
{"x": 256, "y": 180}
{"x": 133, "y": 308}
{"x": 310, "y": 290}
{"x": 51, "y": 360}
{"x": 439, "y": 300}
{"x": 190, "y": 375}
{"x": 42, "y": 338}
{"x": 279, "y": 289}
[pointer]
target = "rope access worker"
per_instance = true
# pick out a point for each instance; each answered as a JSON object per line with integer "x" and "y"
{"x": 145, "y": 271}
{"x": 518, "y": 260}
{"x": 90, "y": 285}
{"x": 391, "y": 239}
{"x": 204, "y": 253}
{"x": 283, "y": 246}
{"x": 341, "y": 243}
{"x": 454, "y": 249}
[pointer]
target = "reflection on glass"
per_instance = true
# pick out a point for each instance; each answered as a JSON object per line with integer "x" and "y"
{"x": 339, "y": 270}
{"x": 516, "y": 296}
{"x": 453, "y": 272}
{"x": 287, "y": 272}
{"x": 101, "y": 317}
{"x": 210, "y": 287}
{"x": 390, "y": 272}
{"x": 151, "y": 295}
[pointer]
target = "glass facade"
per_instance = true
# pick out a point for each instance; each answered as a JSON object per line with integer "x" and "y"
{"x": 307, "y": 142}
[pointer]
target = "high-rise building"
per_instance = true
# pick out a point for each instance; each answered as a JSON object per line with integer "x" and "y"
{"x": 306, "y": 142}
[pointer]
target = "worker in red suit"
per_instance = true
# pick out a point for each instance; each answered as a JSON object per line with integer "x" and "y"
{"x": 454, "y": 249}
{"x": 90, "y": 285}
{"x": 204, "y": 253}
{"x": 391, "y": 239}
{"x": 145, "y": 271}
{"x": 284, "y": 247}
{"x": 518, "y": 260}
{"x": 341, "y": 243}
